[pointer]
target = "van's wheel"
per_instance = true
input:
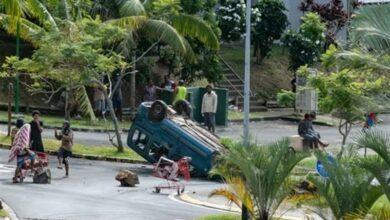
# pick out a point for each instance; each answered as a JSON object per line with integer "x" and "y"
{"x": 158, "y": 111}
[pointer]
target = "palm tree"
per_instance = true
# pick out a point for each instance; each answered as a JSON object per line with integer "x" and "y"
{"x": 370, "y": 38}
{"x": 379, "y": 165}
{"x": 169, "y": 28}
{"x": 348, "y": 189}
{"x": 258, "y": 176}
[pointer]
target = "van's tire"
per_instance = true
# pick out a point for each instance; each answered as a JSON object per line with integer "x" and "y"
{"x": 158, "y": 111}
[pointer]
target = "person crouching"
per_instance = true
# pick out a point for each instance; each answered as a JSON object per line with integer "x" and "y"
{"x": 65, "y": 150}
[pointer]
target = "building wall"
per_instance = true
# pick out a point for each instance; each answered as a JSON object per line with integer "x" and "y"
{"x": 294, "y": 15}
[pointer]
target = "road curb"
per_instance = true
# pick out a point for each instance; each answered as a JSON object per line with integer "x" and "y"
{"x": 186, "y": 198}
{"x": 285, "y": 118}
{"x": 90, "y": 157}
{"x": 11, "y": 214}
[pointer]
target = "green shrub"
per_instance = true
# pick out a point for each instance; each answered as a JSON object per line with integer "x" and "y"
{"x": 286, "y": 98}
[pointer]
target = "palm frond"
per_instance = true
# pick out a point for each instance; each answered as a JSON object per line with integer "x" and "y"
{"x": 85, "y": 104}
{"x": 192, "y": 26}
{"x": 160, "y": 30}
{"x": 132, "y": 22}
{"x": 371, "y": 28}
{"x": 40, "y": 11}
{"x": 225, "y": 192}
{"x": 347, "y": 189}
{"x": 376, "y": 140}
{"x": 27, "y": 28}
{"x": 130, "y": 8}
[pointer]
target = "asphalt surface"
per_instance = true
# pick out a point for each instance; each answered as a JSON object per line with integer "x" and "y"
{"x": 91, "y": 192}
{"x": 262, "y": 132}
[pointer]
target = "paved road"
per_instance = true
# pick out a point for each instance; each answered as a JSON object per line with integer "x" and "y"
{"x": 262, "y": 132}
{"x": 91, "y": 192}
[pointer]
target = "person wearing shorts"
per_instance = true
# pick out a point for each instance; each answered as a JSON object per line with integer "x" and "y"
{"x": 65, "y": 150}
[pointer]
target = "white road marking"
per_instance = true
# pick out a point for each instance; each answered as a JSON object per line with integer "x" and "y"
{"x": 5, "y": 168}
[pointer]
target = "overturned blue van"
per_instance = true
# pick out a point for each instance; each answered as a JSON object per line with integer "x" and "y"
{"x": 158, "y": 131}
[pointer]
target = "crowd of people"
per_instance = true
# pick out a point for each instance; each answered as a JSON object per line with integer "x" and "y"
{"x": 26, "y": 141}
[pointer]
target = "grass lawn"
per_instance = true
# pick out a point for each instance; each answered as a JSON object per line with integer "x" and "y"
{"x": 220, "y": 217}
{"x": 102, "y": 151}
{"x": 3, "y": 214}
{"x": 56, "y": 121}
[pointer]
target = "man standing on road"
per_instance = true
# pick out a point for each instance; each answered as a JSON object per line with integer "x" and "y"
{"x": 36, "y": 131}
{"x": 65, "y": 150}
{"x": 209, "y": 108}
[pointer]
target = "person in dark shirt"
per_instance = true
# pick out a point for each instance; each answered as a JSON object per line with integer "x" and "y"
{"x": 36, "y": 131}
{"x": 305, "y": 130}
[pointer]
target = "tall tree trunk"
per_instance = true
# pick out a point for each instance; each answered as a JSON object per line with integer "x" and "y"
{"x": 67, "y": 112}
{"x": 114, "y": 119}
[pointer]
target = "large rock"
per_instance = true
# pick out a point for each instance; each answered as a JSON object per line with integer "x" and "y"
{"x": 127, "y": 178}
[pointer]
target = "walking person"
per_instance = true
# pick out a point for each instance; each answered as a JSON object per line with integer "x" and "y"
{"x": 98, "y": 97}
{"x": 151, "y": 92}
{"x": 36, "y": 143}
{"x": 209, "y": 108}
{"x": 21, "y": 152}
{"x": 65, "y": 150}
{"x": 117, "y": 97}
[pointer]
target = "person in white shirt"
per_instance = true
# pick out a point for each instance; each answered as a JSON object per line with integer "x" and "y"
{"x": 209, "y": 108}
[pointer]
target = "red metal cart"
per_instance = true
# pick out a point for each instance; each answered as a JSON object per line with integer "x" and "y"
{"x": 170, "y": 170}
{"x": 41, "y": 161}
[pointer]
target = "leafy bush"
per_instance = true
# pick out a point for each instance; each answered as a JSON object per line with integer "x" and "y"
{"x": 231, "y": 19}
{"x": 268, "y": 24}
{"x": 305, "y": 46}
{"x": 286, "y": 98}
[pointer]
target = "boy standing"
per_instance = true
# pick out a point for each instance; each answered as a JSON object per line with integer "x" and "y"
{"x": 36, "y": 131}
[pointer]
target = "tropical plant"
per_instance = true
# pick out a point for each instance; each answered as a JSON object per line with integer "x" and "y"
{"x": 334, "y": 14}
{"x": 348, "y": 94}
{"x": 268, "y": 23}
{"x": 379, "y": 166}
{"x": 230, "y": 16}
{"x": 305, "y": 46}
{"x": 347, "y": 189}
{"x": 369, "y": 40}
{"x": 70, "y": 59}
{"x": 286, "y": 98}
{"x": 258, "y": 176}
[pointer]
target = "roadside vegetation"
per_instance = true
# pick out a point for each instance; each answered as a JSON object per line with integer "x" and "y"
{"x": 98, "y": 151}
{"x": 3, "y": 213}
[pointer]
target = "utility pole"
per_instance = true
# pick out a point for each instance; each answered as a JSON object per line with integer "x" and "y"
{"x": 9, "y": 108}
{"x": 17, "y": 94}
{"x": 245, "y": 211}
{"x": 132, "y": 86}
{"x": 247, "y": 71}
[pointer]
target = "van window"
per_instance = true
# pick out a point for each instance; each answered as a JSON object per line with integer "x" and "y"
{"x": 140, "y": 139}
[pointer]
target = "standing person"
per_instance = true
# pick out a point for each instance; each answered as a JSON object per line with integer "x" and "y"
{"x": 209, "y": 108}
{"x": 36, "y": 132}
{"x": 167, "y": 84}
{"x": 180, "y": 92}
{"x": 98, "y": 97}
{"x": 65, "y": 150}
{"x": 21, "y": 152}
{"x": 370, "y": 120}
{"x": 151, "y": 92}
{"x": 14, "y": 131}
